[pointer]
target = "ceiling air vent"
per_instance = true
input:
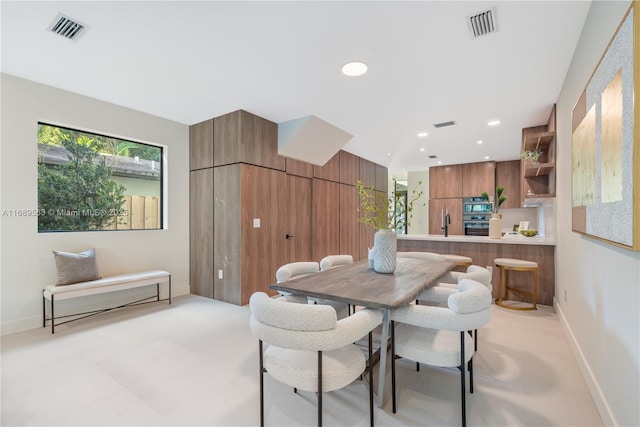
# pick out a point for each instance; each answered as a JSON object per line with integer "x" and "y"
{"x": 444, "y": 124}
{"x": 483, "y": 23}
{"x": 433, "y": 156}
{"x": 66, "y": 27}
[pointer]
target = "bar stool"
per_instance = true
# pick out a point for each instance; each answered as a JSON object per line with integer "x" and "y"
{"x": 459, "y": 260}
{"x": 509, "y": 264}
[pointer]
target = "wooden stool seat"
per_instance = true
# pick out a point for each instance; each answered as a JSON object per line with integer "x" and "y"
{"x": 460, "y": 260}
{"x": 510, "y": 264}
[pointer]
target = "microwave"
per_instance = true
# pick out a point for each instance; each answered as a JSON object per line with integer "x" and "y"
{"x": 476, "y": 205}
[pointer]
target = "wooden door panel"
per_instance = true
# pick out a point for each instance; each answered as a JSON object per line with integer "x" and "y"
{"x": 325, "y": 215}
{"x": 349, "y": 228}
{"x": 201, "y": 232}
{"x": 508, "y": 176}
{"x": 298, "y": 224}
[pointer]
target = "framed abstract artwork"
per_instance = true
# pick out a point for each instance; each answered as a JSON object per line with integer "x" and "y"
{"x": 605, "y": 152}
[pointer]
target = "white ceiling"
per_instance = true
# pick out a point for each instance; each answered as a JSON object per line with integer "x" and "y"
{"x": 190, "y": 61}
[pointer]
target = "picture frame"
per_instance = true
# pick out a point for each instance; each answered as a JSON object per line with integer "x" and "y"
{"x": 524, "y": 225}
{"x": 605, "y": 152}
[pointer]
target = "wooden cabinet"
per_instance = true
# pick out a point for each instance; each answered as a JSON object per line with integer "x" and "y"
{"x": 478, "y": 178}
{"x": 367, "y": 173}
{"x": 201, "y": 145}
{"x": 201, "y": 225}
{"x": 249, "y": 230}
{"x": 445, "y": 182}
{"x": 382, "y": 178}
{"x": 298, "y": 219}
{"x": 252, "y": 211}
{"x": 508, "y": 176}
{"x": 325, "y": 219}
{"x": 349, "y": 228}
{"x": 242, "y": 137}
{"x": 349, "y": 168}
{"x": 436, "y": 208}
{"x": 538, "y": 177}
{"x": 298, "y": 167}
{"x": 330, "y": 170}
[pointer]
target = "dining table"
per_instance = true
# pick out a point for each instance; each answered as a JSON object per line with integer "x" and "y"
{"x": 358, "y": 285}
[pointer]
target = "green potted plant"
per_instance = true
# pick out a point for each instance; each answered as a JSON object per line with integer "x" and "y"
{"x": 500, "y": 199}
{"x": 532, "y": 155}
{"x": 385, "y": 214}
{"x": 495, "y": 223}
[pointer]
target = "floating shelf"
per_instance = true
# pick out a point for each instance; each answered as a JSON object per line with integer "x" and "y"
{"x": 539, "y": 141}
{"x": 540, "y": 169}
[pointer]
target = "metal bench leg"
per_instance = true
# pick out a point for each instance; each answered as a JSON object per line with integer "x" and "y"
{"x": 53, "y": 318}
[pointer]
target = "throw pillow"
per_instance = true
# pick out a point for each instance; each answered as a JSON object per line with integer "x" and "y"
{"x": 74, "y": 268}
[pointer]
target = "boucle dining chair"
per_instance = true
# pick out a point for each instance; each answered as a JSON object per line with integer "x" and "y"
{"x": 333, "y": 261}
{"x": 437, "y": 336}
{"x": 448, "y": 285}
{"x": 298, "y": 269}
{"x": 295, "y": 269}
{"x": 308, "y": 348}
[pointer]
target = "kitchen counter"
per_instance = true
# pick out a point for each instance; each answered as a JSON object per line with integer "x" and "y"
{"x": 511, "y": 239}
{"x": 484, "y": 250}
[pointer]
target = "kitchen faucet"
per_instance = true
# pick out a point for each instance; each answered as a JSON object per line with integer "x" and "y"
{"x": 446, "y": 220}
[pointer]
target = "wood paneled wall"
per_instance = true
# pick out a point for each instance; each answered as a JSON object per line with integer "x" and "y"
{"x": 238, "y": 177}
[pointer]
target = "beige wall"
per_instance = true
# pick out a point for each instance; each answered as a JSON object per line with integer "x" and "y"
{"x": 26, "y": 261}
{"x": 601, "y": 282}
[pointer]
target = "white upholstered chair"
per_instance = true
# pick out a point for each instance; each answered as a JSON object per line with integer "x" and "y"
{"x": 333, "y": 261}
{"x": 308, "y": 348}
{"x": 437, "y": 335}
{"x": 294, "y": 270}
{"x": 448, "y": 285}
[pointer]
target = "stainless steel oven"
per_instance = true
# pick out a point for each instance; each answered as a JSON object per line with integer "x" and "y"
{"x": 476, "y": 213}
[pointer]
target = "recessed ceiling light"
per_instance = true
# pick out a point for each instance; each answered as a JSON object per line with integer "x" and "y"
{"x": 423, "y": 134}
{"x": 486, "y": 157}
{"x": 439, "y": 162}
{"x": 388, "y": 154}
{"x": 479, "y": 142}
{"x": 494, "y": 123}
{"x": 422, "y": 149}
{"x": 354, "y": 68}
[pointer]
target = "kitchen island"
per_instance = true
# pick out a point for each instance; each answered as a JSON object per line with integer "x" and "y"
{"x": 483, "y": 250}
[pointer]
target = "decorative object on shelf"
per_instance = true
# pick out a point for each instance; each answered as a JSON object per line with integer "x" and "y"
{"x": 529, "y": 233}
{"x": 533, "y": 155}
{"x": 495, "y": 223}
{"x": 605, "y": 131}
{"x": 385, "y": 214}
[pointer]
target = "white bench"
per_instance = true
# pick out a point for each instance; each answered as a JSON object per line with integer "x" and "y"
{"x": 106, "y": 284}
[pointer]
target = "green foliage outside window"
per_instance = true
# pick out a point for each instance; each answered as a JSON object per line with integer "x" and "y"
{"x": 80, "y": 193}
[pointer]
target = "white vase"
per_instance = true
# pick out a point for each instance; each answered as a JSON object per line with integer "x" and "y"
{"x": 495, "y": 226}
{"x": 385, "y": 243}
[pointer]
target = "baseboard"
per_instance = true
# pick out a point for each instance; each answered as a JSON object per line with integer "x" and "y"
{"x": 34, "y": 322}
{"x": 599, "y": 398}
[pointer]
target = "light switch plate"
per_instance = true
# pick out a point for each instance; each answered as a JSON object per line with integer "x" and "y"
{"x": 256, "y": 222}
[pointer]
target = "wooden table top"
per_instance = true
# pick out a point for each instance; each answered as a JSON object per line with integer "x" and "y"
{"x": 357, "y": 284}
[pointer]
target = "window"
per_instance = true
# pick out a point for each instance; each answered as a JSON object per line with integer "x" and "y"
{"x": 95, "y": 182}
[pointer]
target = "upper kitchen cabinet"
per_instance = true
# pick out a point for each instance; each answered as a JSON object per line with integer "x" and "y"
{"x": 299, "y": 168}
{"x": 478, "y": 178}
{"x": 242, "y": 137}
{"x": 349, "y": 168}
{"x": 538, "y": 178}
{"x": 508, "y": 177}
{"x": 382, "y": 178}
{"x": 330, "y": 171}
{"x": 367, "y": 173}
{"x": 201, "y": 145}
{"x": 445, "y": 182}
